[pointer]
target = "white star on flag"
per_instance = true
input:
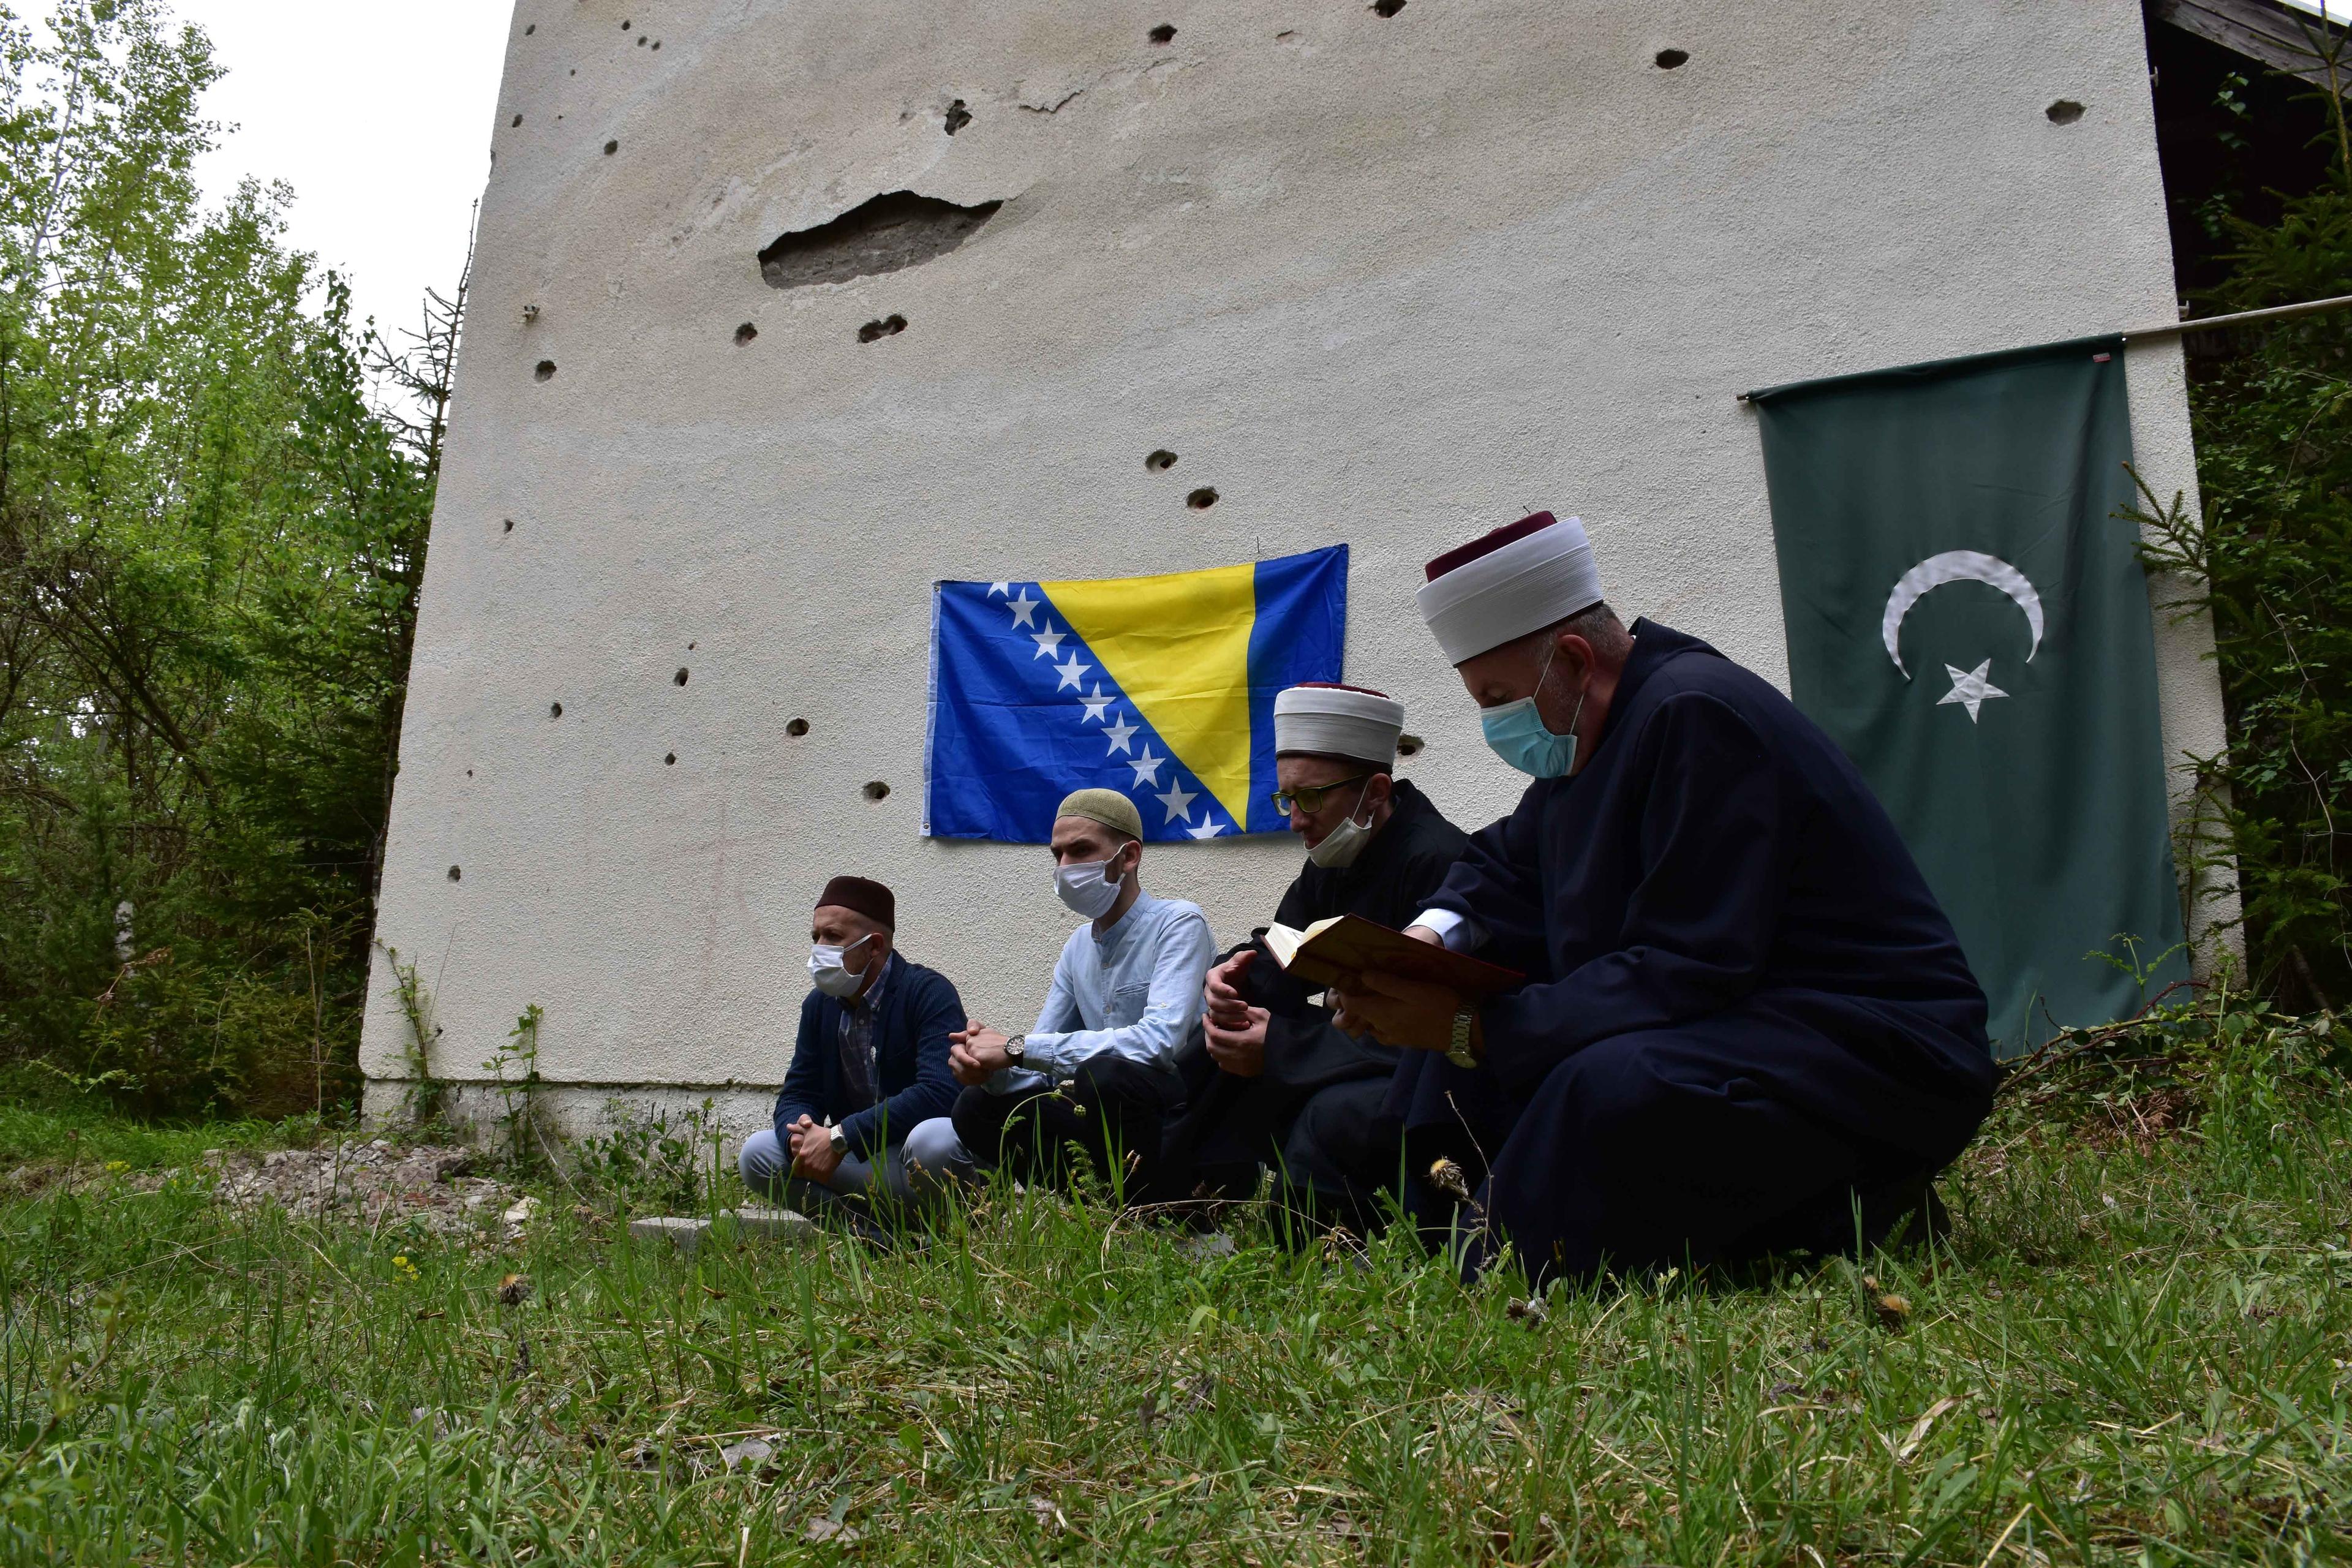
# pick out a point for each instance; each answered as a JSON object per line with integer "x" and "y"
{"x": 1023, "y": 609}
{"x": 1070, "y": 672}
{"x": 1178, "y": 800}
{"x": 1095, "y": 705}
{"x": 1971, "y": 689}
{"x": 996, "y": 588}
{"x": 1121, "y": 733}
{"x": 1049, "y": 642}
{"x": 1147, "y": 767}
{"x": 1210, "y": 827}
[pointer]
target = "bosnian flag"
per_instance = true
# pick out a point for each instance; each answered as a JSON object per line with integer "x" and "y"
{"x": 1161, "y": 688}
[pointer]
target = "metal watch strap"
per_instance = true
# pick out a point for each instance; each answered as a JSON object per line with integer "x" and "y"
{"x": 1016, "y": 1050}
{"x": 1458, "y": 1052}
{"x": 838, "y": 1139}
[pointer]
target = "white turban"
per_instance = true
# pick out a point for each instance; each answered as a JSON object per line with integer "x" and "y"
{"x": 1337, "y": 721}
{"x": 1509, "y": 583}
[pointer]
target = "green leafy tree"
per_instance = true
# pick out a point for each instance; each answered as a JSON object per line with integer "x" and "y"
{"x": 210, "y": 545}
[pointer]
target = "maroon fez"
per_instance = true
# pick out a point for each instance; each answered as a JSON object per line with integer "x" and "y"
{"x": 1487, "y": 543}
{"x": 864, "y": 896}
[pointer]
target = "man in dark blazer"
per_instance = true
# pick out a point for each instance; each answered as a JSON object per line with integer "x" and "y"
{"x": 871, "y": 1062}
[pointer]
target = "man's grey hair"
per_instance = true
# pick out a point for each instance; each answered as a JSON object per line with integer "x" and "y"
{"x": 1598, "y": 625}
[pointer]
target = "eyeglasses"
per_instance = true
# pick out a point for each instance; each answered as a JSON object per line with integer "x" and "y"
{"x": 1310, "y": 798}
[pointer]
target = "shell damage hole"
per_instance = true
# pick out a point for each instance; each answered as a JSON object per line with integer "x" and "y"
{"x": 1163, "y": 34}
{"x": 641, "y": 40}
{"x": 1672, "y": 60}
{"x": 455, "y": 874}
{"x": 745, "y": 333}
{"x": 625, "y": 26}
{"x": 1201, "y": 500}
{"x": 2065, "y": 112}
{"x": 878, "y": 789}
{"x": 901, "y": 229}
{"x": 612, "y": 147}
{"x": 796, "y": 727}
{"x": 1387, "y": 7}
{"x": 518, "y": 120}
{"x": 510, "y": 525}
{"x": 957, "y": 117}
{"x": 680, "y": 678}
{"x": 670, "y": 760}
{"x": 888, "y": 326}
{"x": 1408, "y": 744}
{"x": 543, "y": 370}
{"x": 527, "y": 32}
{"x": 555, "y": 709}
{"x": 1159, "y": 462}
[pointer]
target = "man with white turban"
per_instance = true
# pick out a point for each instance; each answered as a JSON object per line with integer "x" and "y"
{"x": 1747, "y": 1026}
{"x": 1279, "y": 1085}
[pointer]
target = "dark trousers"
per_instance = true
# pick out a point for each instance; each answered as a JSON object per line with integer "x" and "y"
{"x": 1652, "y": 1148}
{"x": 1111, "y": 1110}
{"x": 1331, "y": 1152}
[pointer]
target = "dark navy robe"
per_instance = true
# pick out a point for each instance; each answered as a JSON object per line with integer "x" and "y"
{"x": 1740, "y": 985}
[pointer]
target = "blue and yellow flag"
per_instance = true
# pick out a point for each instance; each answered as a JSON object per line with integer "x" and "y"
{"x": 1159, "y": 686}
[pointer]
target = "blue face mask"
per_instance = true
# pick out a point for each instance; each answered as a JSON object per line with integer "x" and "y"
{"x": 1518, "y": 735}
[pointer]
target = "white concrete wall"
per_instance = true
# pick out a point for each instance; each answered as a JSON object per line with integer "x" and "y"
{"x": 1388, "y": 281}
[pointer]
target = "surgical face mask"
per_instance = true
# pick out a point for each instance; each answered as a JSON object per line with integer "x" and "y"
{"x": 1085, "y": 888}
{"x": 1340, "y": 847}
{"x": 825, "y": 969}
{"x": 1518, "y": 735}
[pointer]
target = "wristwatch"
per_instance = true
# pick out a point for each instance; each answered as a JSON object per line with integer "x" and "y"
{"x": 1458, "y": 1050}
{"x": 837, "y": 1138}
{"x": 1016, "y": 1050}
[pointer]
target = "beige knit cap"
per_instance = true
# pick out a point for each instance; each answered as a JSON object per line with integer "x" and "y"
{"x": 1106, "y": 806}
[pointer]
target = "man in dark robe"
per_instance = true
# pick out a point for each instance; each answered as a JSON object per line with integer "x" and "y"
{"x": 1747, "y": 1026}
{"x": 1278, "y": 1084}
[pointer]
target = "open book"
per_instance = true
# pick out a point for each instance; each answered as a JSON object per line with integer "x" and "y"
{"x": 1329, "y": 950}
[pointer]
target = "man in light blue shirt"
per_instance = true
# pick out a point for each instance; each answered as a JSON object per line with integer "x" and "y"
{"x": 1098, "y": 1072}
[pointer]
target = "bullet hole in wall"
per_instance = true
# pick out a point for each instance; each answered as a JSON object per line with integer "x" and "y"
{"x": 555, "y": 709}
{"x": 510, "y": 526}
{"x": 1163, "y": 34}
{"x": 543, "y": 370}
{"x": 670, "y": 760}
{"x": 530, "y": 314}
{"x": 612, "y": 147}
{"x": 1201, "y": 500}
{"x": 641, "y": 40}
{"x": 957, "y": 117}
{"x": 795, "y": 727}
{"x": 2065, "y": 112}
{"x": 878, "y": 789}
{"x": 518, "y": 120}
{"x": 527, "y": 32}
{"x": 1408, "y": 744}
{"x": 625, "y": 26}
{"x": 889, "y": 326}
{"x": 656, "y": 45}
{"x": 1159, "y": 462}
{"x": 1672, "y": 60}
{"x": 899, "y": 229}
{"x": 690, "y": 647}
{"x": 454, "y": 873}
{"x": 1387, "y": 7}
{"x": 680, "y": 678}
{"x": 745, "y": 333}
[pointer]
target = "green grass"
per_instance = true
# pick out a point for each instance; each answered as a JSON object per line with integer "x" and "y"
{"x": 2129, "y": 1353}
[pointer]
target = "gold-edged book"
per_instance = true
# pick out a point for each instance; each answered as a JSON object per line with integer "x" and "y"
{"x": 1330, "y": 949}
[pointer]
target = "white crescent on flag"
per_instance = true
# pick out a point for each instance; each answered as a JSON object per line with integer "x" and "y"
{"x": 1957, "y": 566}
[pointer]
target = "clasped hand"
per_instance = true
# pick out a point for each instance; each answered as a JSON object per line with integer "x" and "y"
{"x": 814, "y": 1156}
{"x": 1235, "y": 1030}
{"x": 976, "y": 1053}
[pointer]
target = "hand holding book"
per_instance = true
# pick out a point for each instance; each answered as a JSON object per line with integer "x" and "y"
{"x": 1401, "y": 989}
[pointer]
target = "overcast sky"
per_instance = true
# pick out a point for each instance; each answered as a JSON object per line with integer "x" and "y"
{"x": 378, "y": 112}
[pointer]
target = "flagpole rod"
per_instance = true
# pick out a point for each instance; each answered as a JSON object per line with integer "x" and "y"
{"x": 2237, "y": 318}
{"x": 2275, "y": 314}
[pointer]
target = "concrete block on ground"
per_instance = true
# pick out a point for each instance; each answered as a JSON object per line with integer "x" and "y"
{"x": 682, "y": 1233}
{"x": 772, "y": 1225}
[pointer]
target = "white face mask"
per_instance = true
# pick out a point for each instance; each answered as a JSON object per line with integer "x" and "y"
{"x": 1340, "y": 847}
{"x": 1086, "y": 889}
{"x": 825, "y": 969}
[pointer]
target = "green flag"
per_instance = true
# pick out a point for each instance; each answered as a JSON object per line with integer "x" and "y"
{"x": 1969, "y": 620}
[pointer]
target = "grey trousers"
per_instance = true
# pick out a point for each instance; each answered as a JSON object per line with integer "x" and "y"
{"x": 863, "y": 1184}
